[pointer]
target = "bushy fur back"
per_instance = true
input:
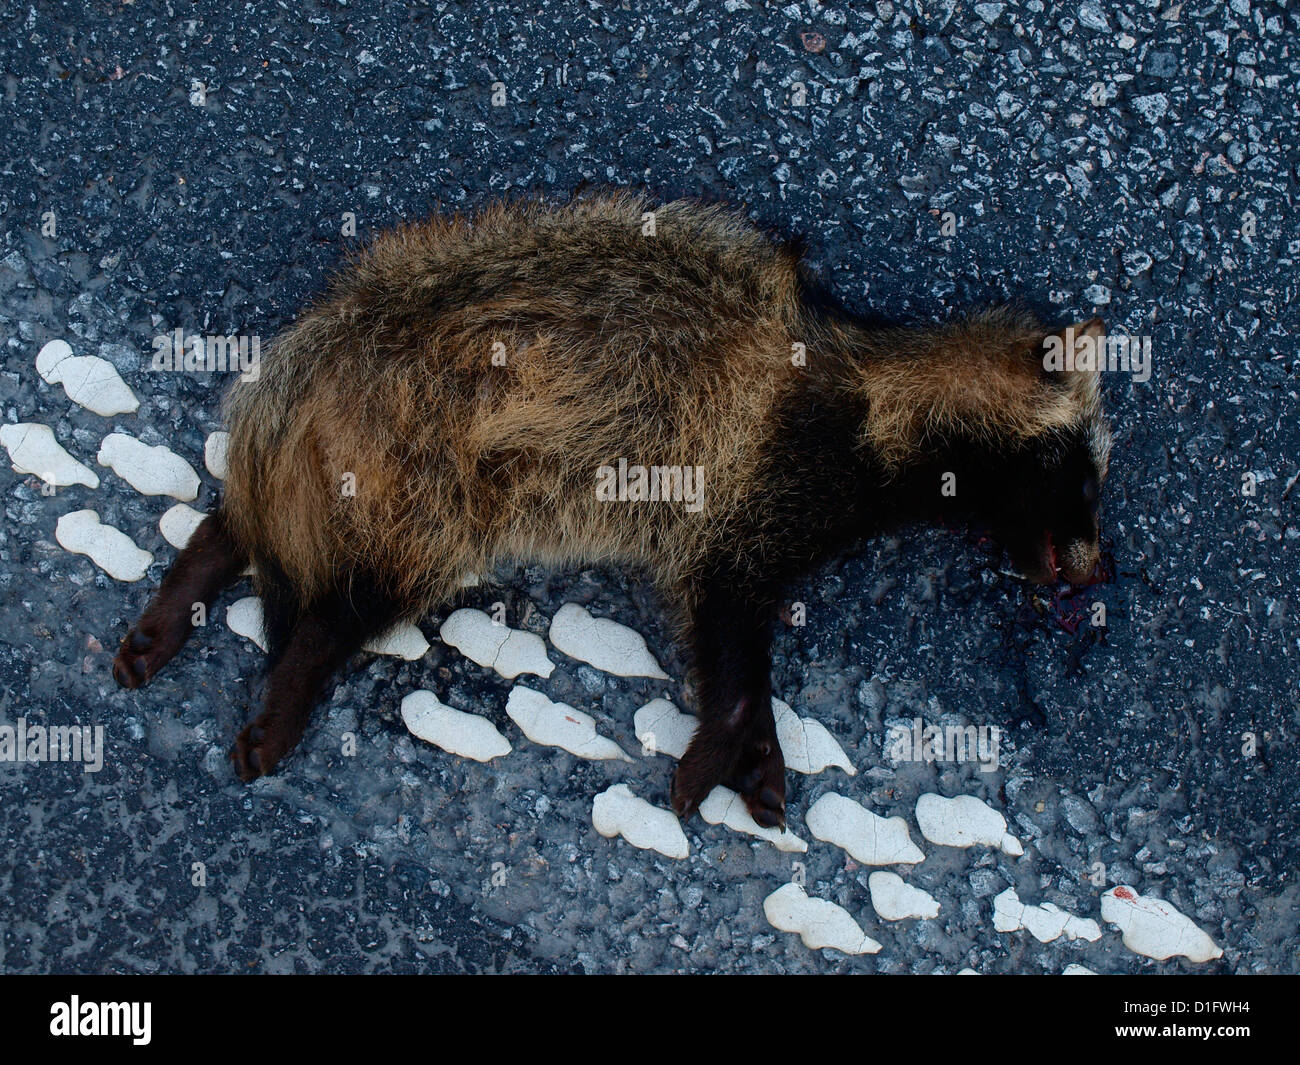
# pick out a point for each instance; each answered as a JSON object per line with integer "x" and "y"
{"x": 664, "y": 350}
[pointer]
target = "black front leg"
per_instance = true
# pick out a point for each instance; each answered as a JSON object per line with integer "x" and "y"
{"x": 735, "y": 743}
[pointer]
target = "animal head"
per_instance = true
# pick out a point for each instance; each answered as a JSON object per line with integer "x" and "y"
{"x": 1027, "y": 429}
{"x": 1043, "y": 506}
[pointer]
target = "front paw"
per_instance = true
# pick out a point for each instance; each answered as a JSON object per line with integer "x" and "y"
{"x": 759, "y": 778}
{"x": 752, "y": 766}
{"x": 702, "y": 768}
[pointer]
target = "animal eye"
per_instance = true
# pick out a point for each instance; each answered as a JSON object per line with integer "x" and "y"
{"x": 1090, "y": 489}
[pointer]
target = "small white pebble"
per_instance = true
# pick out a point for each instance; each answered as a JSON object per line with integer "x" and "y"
{"x": 153, "y": 471}
{"x": 466, "y": 735}
{"x": 819, "y": 923}
{"x": 602, "y": 643}
{"x": 244, "y": 616}
{"x": 869, "y": 838}
{"x": 108, "y": 548}
{"x": 1155, "y": 928}
{"x": 403, "y": 640}
{"x": 895, "y": 899}
{"x": 559, "y": 725}
{"x": 33, "y": 449}
{"x": 963, "y": 822}
{"x": 509, "y": 651}
{"x": 1077, "y": 970}
{"x": 617, "y": 812}
{"x": 806, "y": 744}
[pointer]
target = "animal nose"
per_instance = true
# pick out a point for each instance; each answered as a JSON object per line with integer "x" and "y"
{"x": 1096, "y": 575}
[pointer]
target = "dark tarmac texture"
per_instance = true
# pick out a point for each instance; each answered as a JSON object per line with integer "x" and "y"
{"x": 1137, "y": 162}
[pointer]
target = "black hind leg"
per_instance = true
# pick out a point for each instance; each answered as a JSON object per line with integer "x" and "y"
{"x": 320, "y": 642}
{"x": 209, "y": 562}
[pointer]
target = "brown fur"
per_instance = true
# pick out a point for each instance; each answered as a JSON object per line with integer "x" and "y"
{"x": 667, "y": 350}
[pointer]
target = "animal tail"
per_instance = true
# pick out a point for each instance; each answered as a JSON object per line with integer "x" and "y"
{"x": 282, "y": 605}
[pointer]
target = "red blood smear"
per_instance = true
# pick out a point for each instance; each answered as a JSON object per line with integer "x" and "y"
{"x": 1070, "y": 621}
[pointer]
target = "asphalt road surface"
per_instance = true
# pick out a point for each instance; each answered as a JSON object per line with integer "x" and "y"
{"x": 165, "y": 167}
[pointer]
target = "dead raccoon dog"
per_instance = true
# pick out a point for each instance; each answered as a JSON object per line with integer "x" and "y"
{"x": 462, "y": 392}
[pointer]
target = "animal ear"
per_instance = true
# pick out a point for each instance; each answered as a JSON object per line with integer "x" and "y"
{"x": 1093, "y": 327}
{"x": 1089, "y": 345}
{"x": 1089, "y": 356}
{"x": 1074, "y": 349}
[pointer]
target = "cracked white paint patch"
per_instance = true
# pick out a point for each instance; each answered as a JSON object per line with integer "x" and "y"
{"x": 214, "y": 454}
{"x": 1045, "y": 923}
{"x": 1077, "y": 970}
{"x": 805, "y": 743}
{"x": 618, "y": 812}
{"x": 869, "y": 838}
{"x": 33, "y": 449}
{"x": 963, "y": 822}
{"x": 244, "y": 616}
{"x": 663, "y": 729}
{"x": 88, "y": 380}
{"x": 508, "y": 651}
{"x": 559, "y": 725}
{"x": 1155, "y": 928}
{"x": 819, "y": 923}
{"x": 53, "y": 353}
{"x": 724, "y": 807}
{"x": 896, "y": 900}
{"x": 458, "y": 733}
{"x": 403, "y": 640}
{"x": 602, "y": 643}
{"x": 179, "y": 523}
{"x": 153, "y": 471}
{"x": 108, "y": 548}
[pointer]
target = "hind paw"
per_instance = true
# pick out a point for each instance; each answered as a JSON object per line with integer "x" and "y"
{"x": 254, "y": 754}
